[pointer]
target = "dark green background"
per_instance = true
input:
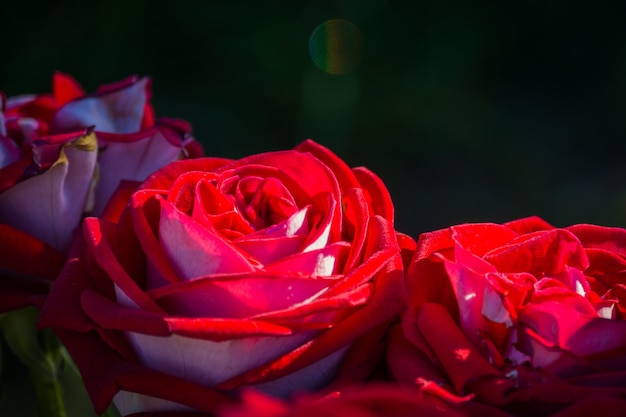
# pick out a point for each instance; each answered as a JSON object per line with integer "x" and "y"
{"x": 468, "y": 112}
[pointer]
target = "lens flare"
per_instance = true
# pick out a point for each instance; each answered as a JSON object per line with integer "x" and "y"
{"x": 336, "y": 46}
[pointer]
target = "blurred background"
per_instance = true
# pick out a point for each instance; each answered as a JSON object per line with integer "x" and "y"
{"x": 468, "y": 113}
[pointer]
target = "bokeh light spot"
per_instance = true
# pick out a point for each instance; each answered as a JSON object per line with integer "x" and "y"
{"x": 336, "y": 46}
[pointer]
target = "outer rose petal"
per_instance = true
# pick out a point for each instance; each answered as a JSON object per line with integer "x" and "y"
{"x": 49, "y": 206}
{"x": 65, "y": 88}
{"x": 134, "y": 157}
{"x": 117, "y": 111}
{"x": 28, "y": 266}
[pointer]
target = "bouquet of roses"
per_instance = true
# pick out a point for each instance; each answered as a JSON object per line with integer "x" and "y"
{"x": 277, "y": 284}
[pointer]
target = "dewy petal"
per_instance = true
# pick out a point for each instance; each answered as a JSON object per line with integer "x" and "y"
{"x": 131, "y": 157}
{"x": 50, "y": 205}
{"x": 117, "y": 111}
{"x": 193, "y": 249}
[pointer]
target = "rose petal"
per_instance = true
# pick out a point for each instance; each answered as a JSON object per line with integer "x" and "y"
{"x": 27, "y": 267}
{"x": 479, "y": 305}
{"x": 98, "y": 234}
{"x": 277, "y": 241}
{"x": 492, "y": 236}
{"x": 9, "y": 151}
{"x": 118, "y": 316}
{"x": 320, "y": 312}
{"x": 408, "y": 361}
{"x": 379, "y": 197}
{"x": 206, "y": 362}
{"x": 132, "y": 157}
{"x": 459, "y": 358}
{"x": 612, "y": 239}
{"x": 528, "y": 225}
{"x": 164, "y": 178}
{"x": 116, "y": 111}
{"x": 344, "y": 174}
{"x": 105, "y": 373}
{"x": 607, "y": 268}
{"x": 388, "y": 298}
{"x": 543, "y": 252}
{"x": 145, "y": 209}
{"x": 238, "y": 295}
{"x": 355, "y": 223}
{"x": 193, "y": 249}
{"x": 65, "y": 88}
{"x": 310, "y": 378}
{"x": 321, "y": 262}
{"x": 49, "y": 206}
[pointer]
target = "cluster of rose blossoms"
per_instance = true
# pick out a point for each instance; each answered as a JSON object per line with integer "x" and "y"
{"x": 277, "y": 285}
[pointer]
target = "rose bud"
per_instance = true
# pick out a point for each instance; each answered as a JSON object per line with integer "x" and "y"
{"x": 521, "y": 316}
{"x": 279, "y": 271}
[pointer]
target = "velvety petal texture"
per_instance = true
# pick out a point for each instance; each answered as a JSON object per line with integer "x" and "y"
{"x": 276, "y": 271}
{"x": 65, "y": 153}
{"x": 523, "y": 317}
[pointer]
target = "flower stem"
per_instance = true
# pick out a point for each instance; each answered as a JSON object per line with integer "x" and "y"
{"x": 49, "y": 395}
{"x": 40, "y": 351}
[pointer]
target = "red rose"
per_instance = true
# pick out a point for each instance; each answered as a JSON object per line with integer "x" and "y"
{"x": 522, "y": 315}
{"x": 54, "y": 168}
{"x": 278, "y": 271}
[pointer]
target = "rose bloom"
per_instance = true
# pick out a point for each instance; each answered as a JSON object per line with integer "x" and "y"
{"x": 522, "y": 316}
{"x": 54, "y": 167}
{"x": 278, "y": 271}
